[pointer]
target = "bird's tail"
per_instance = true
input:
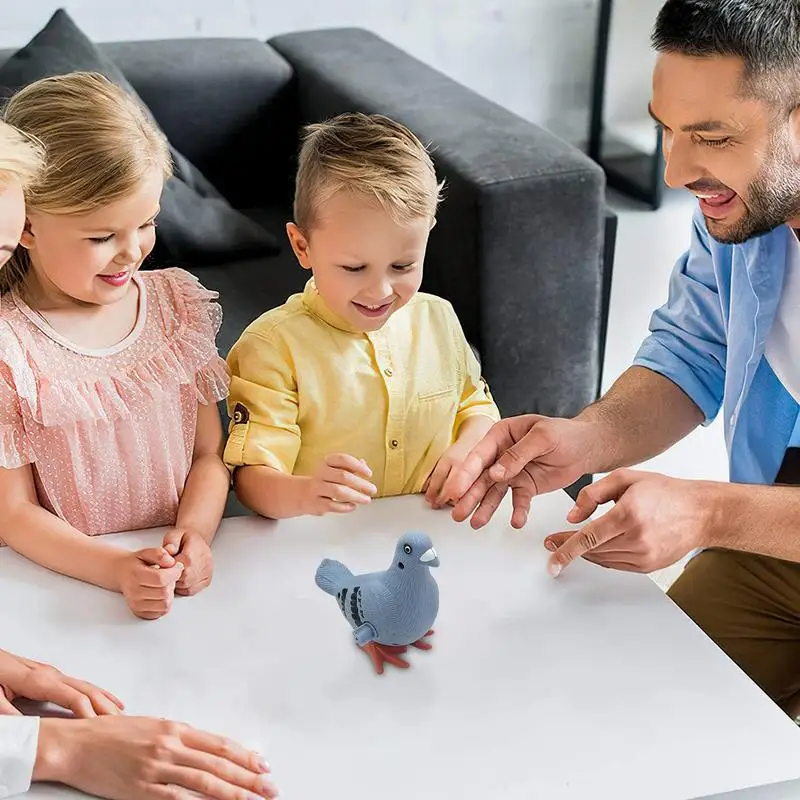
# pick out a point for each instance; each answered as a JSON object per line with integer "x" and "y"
{"x": 331, "y": 575}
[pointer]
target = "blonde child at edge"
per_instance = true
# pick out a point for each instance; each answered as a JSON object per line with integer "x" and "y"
{"x": 361, "y": 386}
{"x": 108, "y": 377}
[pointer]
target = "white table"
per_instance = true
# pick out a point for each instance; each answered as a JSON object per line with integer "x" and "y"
{"x": 590, "y": 686}
{"x": 775, "y": 791}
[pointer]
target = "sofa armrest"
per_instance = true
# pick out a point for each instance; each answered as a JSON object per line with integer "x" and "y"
{"x": 518, "y": 248}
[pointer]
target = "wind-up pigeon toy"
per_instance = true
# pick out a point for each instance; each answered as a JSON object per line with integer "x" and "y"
{"x": 389, "y": 611}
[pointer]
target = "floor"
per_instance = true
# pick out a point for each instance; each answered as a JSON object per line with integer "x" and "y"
{"x": 648, "y": 244}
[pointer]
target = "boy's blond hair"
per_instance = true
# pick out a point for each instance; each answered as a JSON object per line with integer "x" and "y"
{"x": 21, "y": 156}
{"x": 100, "y": 145}
{"x": 370, "y": 156}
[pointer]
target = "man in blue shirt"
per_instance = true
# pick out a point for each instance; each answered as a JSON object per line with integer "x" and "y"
{"x": 726, "y": 93}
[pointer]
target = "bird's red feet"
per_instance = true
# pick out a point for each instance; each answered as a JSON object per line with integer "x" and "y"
{"x": 381, "y": 654}
{"x": 423, "y": 643}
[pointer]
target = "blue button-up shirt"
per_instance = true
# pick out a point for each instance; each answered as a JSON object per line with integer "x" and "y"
{"x": 710, "y": 337}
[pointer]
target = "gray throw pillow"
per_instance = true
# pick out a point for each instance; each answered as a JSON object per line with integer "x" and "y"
{"x": 196, "y": 226}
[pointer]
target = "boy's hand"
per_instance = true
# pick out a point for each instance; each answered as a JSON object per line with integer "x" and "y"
{"x": 338, "y": 486}
{"x": 194, "y": 552}
{"x": 471, "y": 431}
{"x": 147, "y": 579}
{"x": 450, "y": 461}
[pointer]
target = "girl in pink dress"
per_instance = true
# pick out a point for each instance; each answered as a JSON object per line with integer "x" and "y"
{"x": 109, "y": 377}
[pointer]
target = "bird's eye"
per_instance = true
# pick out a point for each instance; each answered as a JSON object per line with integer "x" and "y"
{"x": 407, "y": 549}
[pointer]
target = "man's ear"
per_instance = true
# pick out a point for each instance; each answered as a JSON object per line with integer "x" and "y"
{"x": 794, "y": 134}
{"x": 299, "y": 244}
{"x": 27, "y": 239}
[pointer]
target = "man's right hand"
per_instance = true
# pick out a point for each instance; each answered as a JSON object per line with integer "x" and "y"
{"x": 340, "y": 484}
{"x": 129, "y": 758}
{"x": 147, "y": 579}
{"x": 531, "y": 455}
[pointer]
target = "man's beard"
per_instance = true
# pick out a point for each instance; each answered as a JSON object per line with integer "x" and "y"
{"x": 773, "y": 198}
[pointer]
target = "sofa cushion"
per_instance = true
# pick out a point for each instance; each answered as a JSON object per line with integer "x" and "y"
{"x": 196, "y": 225}
{"x": 228, "y": 105}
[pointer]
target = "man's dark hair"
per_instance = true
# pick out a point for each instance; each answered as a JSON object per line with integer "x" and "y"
{"x": 764, "y": 34}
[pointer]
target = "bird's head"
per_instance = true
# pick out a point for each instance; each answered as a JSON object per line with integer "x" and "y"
{"x": 415, "y": 550}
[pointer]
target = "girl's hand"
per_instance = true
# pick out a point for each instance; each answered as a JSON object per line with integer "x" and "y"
{"x": 21, "y": 678}
{"x": 147, "y": 579}
{"x": 194, "y": 552}
{"x": 130, "y": 758}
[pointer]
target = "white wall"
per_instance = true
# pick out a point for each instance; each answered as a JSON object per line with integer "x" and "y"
{"x": 532, "y": 56}
{"x": 631, "y": 59}
{"x": 630, "y": 65}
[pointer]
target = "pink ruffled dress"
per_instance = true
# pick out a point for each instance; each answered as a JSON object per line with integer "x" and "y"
{"x": 110, "y": 433}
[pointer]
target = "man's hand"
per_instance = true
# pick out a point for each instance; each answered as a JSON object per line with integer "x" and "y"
{"x": 128, "y": 758}
{"x": 340, "y": 484}
{"x": 530, "y": 455}
{"x": 654, "y": 523}
{"x": 147, "y": 579}
{"x": 193, "y": 551}
{"x": 22, "y": 678}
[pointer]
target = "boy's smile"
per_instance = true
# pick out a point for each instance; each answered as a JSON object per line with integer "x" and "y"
{"x": 375, "y": 311}
{"x": 366, "y": 265}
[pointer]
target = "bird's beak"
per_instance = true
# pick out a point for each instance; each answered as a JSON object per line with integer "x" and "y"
{"x": 430, "y": 558}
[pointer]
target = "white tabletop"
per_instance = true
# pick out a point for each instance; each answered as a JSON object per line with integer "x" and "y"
{"x": 590, "y": 686}
{"x": 776, "y": 791}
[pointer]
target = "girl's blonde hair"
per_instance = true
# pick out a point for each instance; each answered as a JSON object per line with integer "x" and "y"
{"x": 100, "y": 143}
{"x": 21, "y": 156}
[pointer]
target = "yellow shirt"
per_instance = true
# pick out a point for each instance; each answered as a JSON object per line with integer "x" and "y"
{"x": 306, "y": 384}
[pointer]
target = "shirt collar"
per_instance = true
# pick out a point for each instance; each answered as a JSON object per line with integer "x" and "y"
{"x": 314, "y": 303}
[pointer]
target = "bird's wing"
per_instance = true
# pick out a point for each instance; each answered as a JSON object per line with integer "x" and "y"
{"x": 377, "y": 604}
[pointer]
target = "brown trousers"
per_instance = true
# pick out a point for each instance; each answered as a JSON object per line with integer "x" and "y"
{"x": 750, "y": 606}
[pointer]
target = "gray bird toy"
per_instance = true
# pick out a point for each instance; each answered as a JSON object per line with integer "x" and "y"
{"x": 389, "y": 611}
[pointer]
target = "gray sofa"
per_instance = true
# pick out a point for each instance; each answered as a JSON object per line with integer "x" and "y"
{"x": 523, "y": 246}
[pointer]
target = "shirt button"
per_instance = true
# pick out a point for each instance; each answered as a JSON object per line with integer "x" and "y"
{"x": 395, "y": 444}
{"x": 388, "y": 372}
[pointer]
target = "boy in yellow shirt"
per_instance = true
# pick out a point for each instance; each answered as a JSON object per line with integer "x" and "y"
{"x": 360, "y": 386}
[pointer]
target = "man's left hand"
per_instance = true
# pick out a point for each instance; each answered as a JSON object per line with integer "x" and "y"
{"x": 654, "y": 523}
{"x": 194, "y": 552}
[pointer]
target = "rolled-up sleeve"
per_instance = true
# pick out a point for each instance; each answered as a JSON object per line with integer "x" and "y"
{"x": 476, "y": 399}
{"x": 688, "y": 341}
{"x": 262, "y": 405}
{"x": 19, "y": 738}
